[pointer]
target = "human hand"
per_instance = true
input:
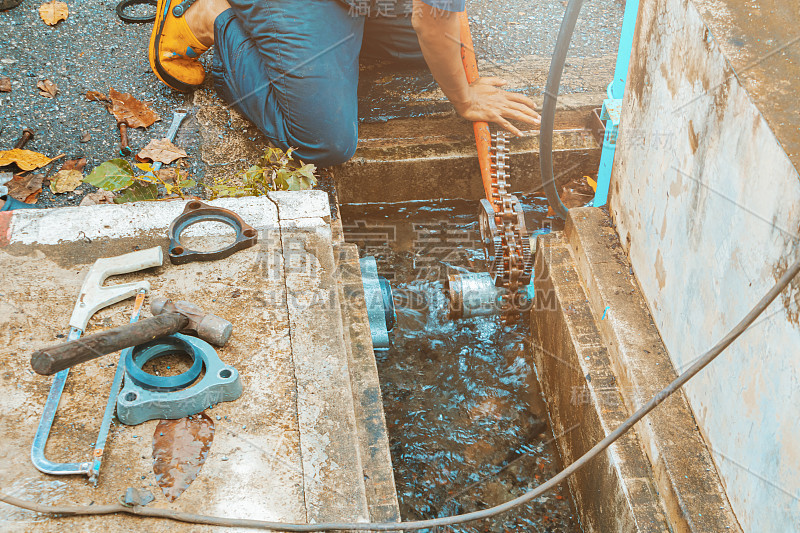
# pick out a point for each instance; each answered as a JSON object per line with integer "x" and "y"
{"x": 487, "y": 102}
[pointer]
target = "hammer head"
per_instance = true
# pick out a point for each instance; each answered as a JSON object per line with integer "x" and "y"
{"x": 208, "y": 327}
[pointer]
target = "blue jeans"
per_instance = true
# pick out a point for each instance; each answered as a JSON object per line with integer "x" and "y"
{"x": 291, "y": 67}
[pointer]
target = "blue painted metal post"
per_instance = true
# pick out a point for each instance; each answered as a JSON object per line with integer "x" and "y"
{"x": 613, "y": 105}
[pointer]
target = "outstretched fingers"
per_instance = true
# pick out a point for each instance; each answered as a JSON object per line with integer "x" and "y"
{"x": 522, "y": 112}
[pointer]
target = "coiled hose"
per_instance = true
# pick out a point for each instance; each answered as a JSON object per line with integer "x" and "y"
{"x": 549, "y": 107}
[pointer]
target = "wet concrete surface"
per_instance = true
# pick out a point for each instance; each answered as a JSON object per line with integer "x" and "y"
{"x": 291, "y": 431}
{"x": 94, "y": 50}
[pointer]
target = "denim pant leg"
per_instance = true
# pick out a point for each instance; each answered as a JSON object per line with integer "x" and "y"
{"x": 291, "y": 67}
{"x": 388, "y": 33}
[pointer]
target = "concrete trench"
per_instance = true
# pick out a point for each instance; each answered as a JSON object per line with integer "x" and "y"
{"x": 597, "y": 353}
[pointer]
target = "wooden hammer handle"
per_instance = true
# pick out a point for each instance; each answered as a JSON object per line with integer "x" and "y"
{"x": 56, "y": 358}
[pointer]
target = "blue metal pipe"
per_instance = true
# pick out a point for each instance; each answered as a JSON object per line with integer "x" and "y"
{"x": 613, "y": 105}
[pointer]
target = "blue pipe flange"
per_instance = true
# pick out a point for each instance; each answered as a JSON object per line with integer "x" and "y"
{"x": 148, "y": 400}
{"x": 135, "y": 360}
{"x": 380, "y": 305}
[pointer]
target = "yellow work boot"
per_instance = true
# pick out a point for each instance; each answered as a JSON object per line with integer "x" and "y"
{"x": 174, "y": 50}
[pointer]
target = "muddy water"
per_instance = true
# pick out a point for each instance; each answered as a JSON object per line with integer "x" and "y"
{"x": 466, "y": 420}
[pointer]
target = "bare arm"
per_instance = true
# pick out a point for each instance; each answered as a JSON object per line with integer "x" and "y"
{"x": 439, "y": 37}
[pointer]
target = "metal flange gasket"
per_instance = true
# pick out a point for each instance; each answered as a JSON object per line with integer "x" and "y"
{"x": 125, "y": 17}
{"x": 196, "y": 211}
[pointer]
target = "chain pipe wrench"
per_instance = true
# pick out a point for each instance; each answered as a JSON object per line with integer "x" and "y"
{"x": 93, "y": 297}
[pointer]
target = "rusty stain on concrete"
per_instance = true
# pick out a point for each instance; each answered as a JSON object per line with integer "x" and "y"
{"x": 790, "y": 298}
{"x": 693, "y": 140}
{"x": 660, "y": 273}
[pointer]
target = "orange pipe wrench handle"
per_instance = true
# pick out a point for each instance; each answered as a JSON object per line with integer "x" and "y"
{"x": 483, "y": 138}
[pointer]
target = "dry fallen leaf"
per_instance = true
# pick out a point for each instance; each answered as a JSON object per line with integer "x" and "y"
{"x": 99, "y": 197}
{"x": 5, "y": 85}
{"x": 180, "y": 448}
{"x": 167, "y": 174}
{"x": 47, "y": 88}
{"x": 25, "y": 188}
{"x": 160, "y": 150}
{"x": 74, "y": 164}
{"x": 131, "y": 111}
{"x": 25, "y": 159}
{"x": 53, "y": 12}
{"x": 69, "y": 177}
{"x": 96, "y": 96}
{"x": 66, "y": 181}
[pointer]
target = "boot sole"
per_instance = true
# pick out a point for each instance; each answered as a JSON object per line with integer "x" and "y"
{"x": 155, "y": 63}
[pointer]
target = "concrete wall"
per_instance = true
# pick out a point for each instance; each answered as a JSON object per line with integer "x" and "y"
{"x": 707, "y": 200}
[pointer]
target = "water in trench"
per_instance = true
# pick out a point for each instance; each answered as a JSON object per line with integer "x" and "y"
{"x": 467, "y": 425}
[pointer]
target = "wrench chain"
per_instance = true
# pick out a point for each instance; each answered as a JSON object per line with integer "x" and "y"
{"x": 512, "y": 263}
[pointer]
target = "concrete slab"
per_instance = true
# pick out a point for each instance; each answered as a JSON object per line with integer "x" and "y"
{"x": 326, "y": 416}
{"x": 616, "y": 491}
{"x": 686, "y": 476}
{"x": 762, "y": 48}
{"x": 368, "y": 400}
{"x": 288, "y": 449}
{"x": 599, "y": 357}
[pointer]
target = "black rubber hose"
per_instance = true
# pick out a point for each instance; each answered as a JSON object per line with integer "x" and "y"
{"x": 549, "y": 107}
{"x": 169, "y": 514}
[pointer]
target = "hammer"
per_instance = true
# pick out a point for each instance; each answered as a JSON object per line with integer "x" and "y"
{"x": 170, "y": 317}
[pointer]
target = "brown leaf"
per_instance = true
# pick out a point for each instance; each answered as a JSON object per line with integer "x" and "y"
{"x": 168, "y": 174}
{"x": 47, "y": 88}
{"x": 25, "y": 159}
{"x": 160, "y": 150}
{"x": 96, "y": 96}
{"x": 66, "y": 181}
{"x": 53, "y": 12}
{"x": 180, "y": 448}
{"x": 5, "y": 85}
{"x": 74, "y": 164}
{"x": 25, "y": 188}
{"x": 99, "y": 197}
{"x": 131, "y": 111}
{"x": 576, "y": 193}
